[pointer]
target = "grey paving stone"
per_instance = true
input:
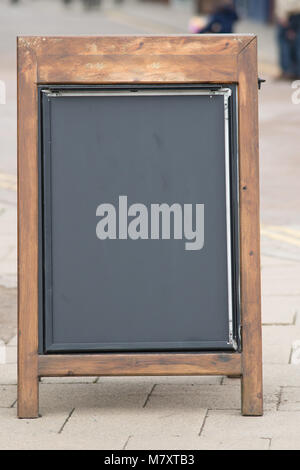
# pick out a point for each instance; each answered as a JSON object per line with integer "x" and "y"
{"x": 56, "y": 442}
{"x": 143, "y": 423}
{"x": 55, "y": 398}
{"x": 229, "y": 427}
{"x": 281, "y": 286}
{"x": 285, "y": 443}
{"x": 162, "y": 380}
{"x": 277, "y": 262}
{"x": 29, "y": 434}
{"x": 277, "y": 343}
{"x": 281, "y": 271}
{"x": 183, "y": 442}
{"x": 199, "y": 396}
{"x": 114, "y": 381}
{"x": 123, "y": 386}
{"x": 68, "y": 380}
{"x": 2, "y": 352}
{"x": 271, "y": 391}
{"x": 290, "y": 400}
{"x": 189, "y": 380}
{"x": 173, "y": 442}
{"x": 276, "y": 377}
{"x": 8, "y": 312}
{"x": 11, "y": 355}
{"x": 282, "y": 375}
{"x": 8, "y": 374}
{"x": 237, "y": 443}
{"x": 13, "y": 341}
{"x": 8, "y": 395}
{"x": 280, "y": 310}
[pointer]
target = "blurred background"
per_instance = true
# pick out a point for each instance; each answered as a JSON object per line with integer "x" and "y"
{"x": 279, "y": 100}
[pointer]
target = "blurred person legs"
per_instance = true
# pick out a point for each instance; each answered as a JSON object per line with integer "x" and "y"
{"x": 289, "y": 48}
{"x": 222, "y": 19}
{"x": 295, "y": 23}
{"x": 288, "y": 16}
{"x": 286, "y": 56}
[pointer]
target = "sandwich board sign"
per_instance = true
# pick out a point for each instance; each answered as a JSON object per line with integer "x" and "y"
{"x": 138, "y": 210}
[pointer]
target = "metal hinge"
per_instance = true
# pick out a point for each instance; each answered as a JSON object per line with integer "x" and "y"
{"x": 260, "y": 82}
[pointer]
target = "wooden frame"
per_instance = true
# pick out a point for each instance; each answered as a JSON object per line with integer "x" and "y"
{"x": 143, "y": 60}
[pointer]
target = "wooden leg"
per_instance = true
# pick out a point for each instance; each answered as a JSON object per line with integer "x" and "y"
{"x": 28, "y": 376}
{"x": 252, "y": 398}
{"x": 27, "y": 233}
{"x": 28, "y": 397}
{"x": 252, "y": 382}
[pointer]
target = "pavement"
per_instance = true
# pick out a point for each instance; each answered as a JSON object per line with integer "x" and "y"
{"x": 162, "y": 413}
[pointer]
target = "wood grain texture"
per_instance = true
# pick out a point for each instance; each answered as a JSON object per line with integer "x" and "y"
{"x": 140, "y": 365}
{"x": 27, "y": 234}
{"x": 62, "y": 46}
{"x": 252, "y": 396}
{"x": 127, "y": 59}
{"x": 122, "y": 69}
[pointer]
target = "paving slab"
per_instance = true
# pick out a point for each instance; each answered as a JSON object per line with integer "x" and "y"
{"x": 55, "y": 398}
{"x": 276, "y": 377}
{"x": 54, "y": 441}
{"x": 138, "y": 380}
{"x": 68, "y": 380}
{"x": 200, "y": 396}
{"x": 157, "y": 442}
{"x": 29, "y": 434}
{"x": 277, "y": 343}
{"x": 271, "y": 390}
{"x": 203, "y": 380}
{"x": 8, "y": 240}
{"x": 290, "y": 400}
{"x": 143, "y": 423}
{"x": 8, "y": 312}
{"x": 229, "y": 427}
{"x": 11, "y": 355}
{"x": 283, "y": 286}
{"x": 279, "y": 272}
{"x": 183, "y": 442}
{"x": 13, "y": 342}
{"x": 8, "y": 395}
{"x": 277, "y": 262}
{"x": 124, "y": 386}
{"x": 2, "y": 352}
{"x": 282, "y": 375}
{"x": 285, "y": 443}
{"x": 237, "y": 443}
{"x": 8, "y": 374}
{"x": 295, "y": 356}
{"x": 281, "y": 311}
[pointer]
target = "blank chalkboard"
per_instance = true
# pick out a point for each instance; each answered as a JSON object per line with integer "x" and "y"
{"x": 108, "y": 156}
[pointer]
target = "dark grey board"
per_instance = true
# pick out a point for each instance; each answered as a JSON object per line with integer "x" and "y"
{"x": 155, "y": 147}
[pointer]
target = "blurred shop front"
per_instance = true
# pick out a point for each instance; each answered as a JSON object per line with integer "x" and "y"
{"x": 256, "y": 10}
